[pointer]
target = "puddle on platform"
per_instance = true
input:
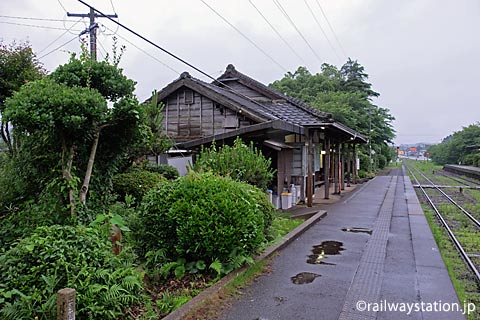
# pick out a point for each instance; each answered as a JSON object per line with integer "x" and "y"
{"x": 358, "y": 230}
{"x": 322, "y": 250}
{"x": 304, "y": 277}
{"x": 318, "y": 259}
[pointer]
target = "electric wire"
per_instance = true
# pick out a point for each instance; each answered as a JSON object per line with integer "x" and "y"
{"x": 331, "y": 29}
{"x": 51, "y": 43}
{"x": 100, "y": 47}
{"x": 113, "y": 7}
{"x": 280, "y": 7}
{"x": 149, "y": 41}
{"x": 323, "y": 31}
{"x": 61, "y": 5}
{"x": 30, "y": 18}
{"x": 245, "y": 37}
{"x": 46, "y": 54}
{"x": 33, "y": 26}
{"x": 277, "y": 32}
{"x": 174, "y": 56}
{"x": 114, "y": 12}
{"x": 146, "y": 52}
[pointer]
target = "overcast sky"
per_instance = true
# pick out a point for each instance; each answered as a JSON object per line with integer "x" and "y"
{"x": 422, "y": 56}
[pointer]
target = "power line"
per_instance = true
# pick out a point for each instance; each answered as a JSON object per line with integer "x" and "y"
{"x": 68, "y": 30}
{"x": 246, "y": 37}
{"x": 331, "y": 28}
{"x": 323, "y": 31}
{"x": 61, "y": 5}
{"x": 172, "y": 55}
{"x": 113, "y": 7}
{"x": 280, "y": 7}
{"x": 33, "y": 26}
{"x": 145, "y": 52}
{"x": 58, "y": 47}
{"x": 278, "y": 33}
{"x": 149, "y": 41}
{"x": 100, "y": 49}
{"x": 30, "y": 18}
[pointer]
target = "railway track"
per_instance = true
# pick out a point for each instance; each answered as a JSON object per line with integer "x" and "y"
{"x": 458, "y": 178}
{"x": 460, "y": 224}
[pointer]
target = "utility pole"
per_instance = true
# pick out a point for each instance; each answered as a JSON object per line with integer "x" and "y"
{"x": 92, "y": 29}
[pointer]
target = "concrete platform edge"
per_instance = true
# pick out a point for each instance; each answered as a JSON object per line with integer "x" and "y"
{"x": 428, "y": 260}
{"x": 210, "y": 292}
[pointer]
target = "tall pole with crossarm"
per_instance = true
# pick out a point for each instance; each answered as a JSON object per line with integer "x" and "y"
{"x": 92, "y": 29}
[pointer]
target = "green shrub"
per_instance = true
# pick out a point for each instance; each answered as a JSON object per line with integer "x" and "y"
{"x": 136, "y": 183}
{"x": 56, "y": 257}
{"x": 240, "y": 162}
{"x": 202, "y": 217}
{"x": 169, "y": 172}
{"x": 362, "y": 174}
{"x": 382, "y": 161}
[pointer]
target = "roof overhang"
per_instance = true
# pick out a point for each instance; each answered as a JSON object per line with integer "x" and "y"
{"x": 270, "y": 125}
{"x": 277, "y": 145}
{"x": 340, "y": 130}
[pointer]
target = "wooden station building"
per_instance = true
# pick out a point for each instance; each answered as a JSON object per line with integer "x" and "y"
{"x": 307, "y": 147}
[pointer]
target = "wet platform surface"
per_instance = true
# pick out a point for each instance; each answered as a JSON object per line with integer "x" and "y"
{"x": 373, "y": 251}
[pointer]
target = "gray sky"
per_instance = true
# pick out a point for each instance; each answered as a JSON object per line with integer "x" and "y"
{"x": 422, "y": 56}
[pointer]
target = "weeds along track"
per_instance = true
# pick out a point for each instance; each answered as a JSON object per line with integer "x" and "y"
{"x": 458, "y": 178}
{"x": 456, "y": 211}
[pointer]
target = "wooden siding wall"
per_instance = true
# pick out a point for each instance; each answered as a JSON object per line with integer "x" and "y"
{"x": 189, "y": 115}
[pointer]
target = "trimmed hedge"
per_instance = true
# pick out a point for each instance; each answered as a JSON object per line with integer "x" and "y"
{"x": 203, "y": 217}
{"x": 169, "y": 172}
{"x": 136, "y": 183}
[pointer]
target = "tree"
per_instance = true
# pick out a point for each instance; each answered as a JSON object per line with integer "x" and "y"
{"x": 18, "y": 65}
{"x": 70, "y": 109}
{"x": 460, "y": 147}
{"x": 347, "y": 95}
{"x": 153, "y": 120}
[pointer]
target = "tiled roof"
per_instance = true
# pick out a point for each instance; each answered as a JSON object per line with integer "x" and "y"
{"x": 232, "y": 73}
{"x": 287, "y": 112}
{"x": 272, "y": 107}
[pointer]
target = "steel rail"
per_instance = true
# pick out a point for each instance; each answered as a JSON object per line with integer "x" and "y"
{"x": 450, "y": 233}
{"x": 468, "y": 214}
{"x": 458, "y": 178}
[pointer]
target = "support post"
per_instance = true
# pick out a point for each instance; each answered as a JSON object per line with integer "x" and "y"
{"x": 336, "y": 170}
{"x": 66, "y": 304}
{"x": 342, "y": 167}
{"x": 327, "y": 168}
{"x": 349, "y": 164}
{"x": 92, "y": 28}
{"x": 355, "y": 173}
{"x": 309, "y": 168}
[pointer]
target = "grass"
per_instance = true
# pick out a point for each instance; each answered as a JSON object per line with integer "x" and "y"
{"x": 170, "y": 301}
{"x": 462, "y": 279}
{"x": 283, "y": 224}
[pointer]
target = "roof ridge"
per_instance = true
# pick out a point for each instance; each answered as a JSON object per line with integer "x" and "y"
{"x": 232, "y": 71}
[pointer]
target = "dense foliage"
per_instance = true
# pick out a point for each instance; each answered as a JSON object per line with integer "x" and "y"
{"x": 462, "y": 147}
{"x": 18, "y": 65}
{"x": 136, "y": 183}
{"x": 56, "y": 257}
{"x": 202, "y": 217}
{"x": 169, "y": 172}
{"x": 346, "y": 94}
{"x": 241, "y": 162}
{"x": 66, "y": 119}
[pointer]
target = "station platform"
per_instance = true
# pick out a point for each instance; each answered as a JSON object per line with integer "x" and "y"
{"x": 372, "y": 257}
